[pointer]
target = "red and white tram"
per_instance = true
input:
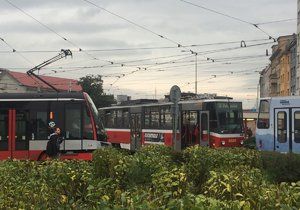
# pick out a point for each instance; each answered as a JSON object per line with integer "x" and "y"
{"x": 24, "y": 124}
{"x": 214, "y": 123}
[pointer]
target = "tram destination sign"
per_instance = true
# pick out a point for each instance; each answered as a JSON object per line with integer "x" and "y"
{"x": 154, "y": 137}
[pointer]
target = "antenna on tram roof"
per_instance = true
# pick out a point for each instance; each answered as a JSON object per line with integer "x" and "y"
{"x": 62, "y": 54}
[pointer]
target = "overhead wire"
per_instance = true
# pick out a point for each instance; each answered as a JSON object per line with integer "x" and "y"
{"x": 228, "y": 16}
{"x": 132, "y": 22}
{"x": 119, "y": 16}
{"x": 276, "y": 21}
{"x": 150, "y": 66}
{"x": 55, "y": 32}
{"x": 138, "y": 48}
{"x": 14, "y": 50}
{"x": 179, "y": 45}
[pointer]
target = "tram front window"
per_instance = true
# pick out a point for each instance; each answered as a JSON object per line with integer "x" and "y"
{"x": 100, "y": 128}
{"x": 230, "y": 117}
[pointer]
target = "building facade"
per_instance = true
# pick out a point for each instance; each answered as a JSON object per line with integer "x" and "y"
{"x": 279, "y": 78}
{"x": 17, "y": 82}
{"x": 298, "y": 50}
{"x": 264, "y": 81}
{"x": 294, "y": 80}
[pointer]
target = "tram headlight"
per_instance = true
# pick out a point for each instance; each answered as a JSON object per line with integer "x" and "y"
{"x": 223, "y": 142}
{"x": 242, "y": 142}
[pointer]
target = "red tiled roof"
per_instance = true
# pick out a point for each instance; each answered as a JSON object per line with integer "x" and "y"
{"x": 59, "y": 83}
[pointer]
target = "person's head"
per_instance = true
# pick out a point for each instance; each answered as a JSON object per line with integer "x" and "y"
{"x": 57, "y": 130}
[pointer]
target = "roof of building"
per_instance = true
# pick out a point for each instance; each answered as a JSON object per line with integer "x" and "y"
{"x": 63, "y": 84}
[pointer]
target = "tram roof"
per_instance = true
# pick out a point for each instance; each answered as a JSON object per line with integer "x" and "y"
{"x": 46, "y": 95}
{"x": 167, "y": 103}
{"x": 281, "y": 98}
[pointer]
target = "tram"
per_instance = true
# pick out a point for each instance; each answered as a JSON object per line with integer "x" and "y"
{"x": 24, "y": 125}
{"x": 278, "y": 124}
{"x": 214, "y": 123}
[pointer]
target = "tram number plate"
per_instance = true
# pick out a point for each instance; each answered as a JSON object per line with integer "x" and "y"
{"x": 232, "y": 140}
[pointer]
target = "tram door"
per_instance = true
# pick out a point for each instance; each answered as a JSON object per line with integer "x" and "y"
{"x": 282, "y": 130}
{"x": 204, "y": 128}
{"x": 296, "y": 130}
{"x": 189, "y": 128}
{"x": 135, "y": 131}
{"x": 14, "y": 141}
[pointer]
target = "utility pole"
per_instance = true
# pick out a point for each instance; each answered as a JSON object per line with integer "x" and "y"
{"x": 257, "y": 96}
{"x": 196, "y": 73}
{"x": 196, "y": 69}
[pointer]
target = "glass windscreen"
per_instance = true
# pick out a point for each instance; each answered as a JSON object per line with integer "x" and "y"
{"x": 264, "y": 115}
{"x": 230, "y": 117}
{"x": 100, "y": 128}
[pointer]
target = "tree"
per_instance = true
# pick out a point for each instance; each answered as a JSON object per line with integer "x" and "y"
{"x": 93, "y": 85}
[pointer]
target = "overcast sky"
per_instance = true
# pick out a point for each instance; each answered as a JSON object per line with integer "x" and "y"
{"x": 234, "y": 72}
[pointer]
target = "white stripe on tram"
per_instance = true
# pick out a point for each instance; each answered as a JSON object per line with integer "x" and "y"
{"x": 226, "y": 135}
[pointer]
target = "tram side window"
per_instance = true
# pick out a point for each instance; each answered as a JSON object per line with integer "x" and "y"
{"x": 204, "y": 120}
{"x": 88, "y": 127}
{"x": 281, "y": 127}
{"x": 23, "y": 127}
{"x": 155, "y": 119}
{"x": 109, "y": 119}
{"x": 297, "y": 127}
{"x": 213, "y": 122}
{"x": 165, "y": 118}
{"x": 119, "y": 119}
{"x": 3, "y": 126}
{"x": 73, "y": 121}
{"x": 193, "y": 118}
{"x": 264, "y": 115}
{"x": 147, "y": 118}
{"x": 41, "y": 125}
{"x": 125, "y": 119}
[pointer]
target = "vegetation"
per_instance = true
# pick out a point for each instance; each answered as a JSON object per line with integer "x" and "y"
{"x": 155, "y": 178}
{"x": 93, "y": 85}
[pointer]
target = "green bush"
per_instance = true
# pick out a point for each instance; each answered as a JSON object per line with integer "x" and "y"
{"x": 27, "y": 184}
{"x": 157, "y": 157}
{"x": 200, "y": 160}
{"x": 248, "y": 186}
{"x": 282, "y": 196}
{"x": 170, "y": 184}
{"x": 281, "y": 167}
{"x": 105, "y": 160}
{"x": 242, "y": 183}
{"x": 155, "y": 178}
